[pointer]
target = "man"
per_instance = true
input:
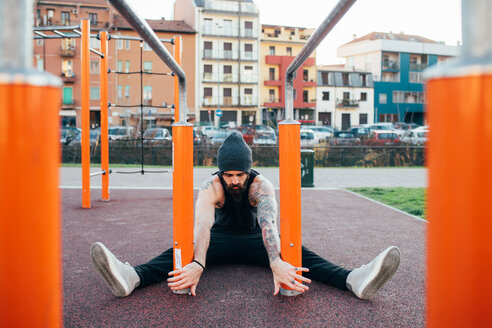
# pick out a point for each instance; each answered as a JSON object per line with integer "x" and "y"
{"x": 235, "y": 222}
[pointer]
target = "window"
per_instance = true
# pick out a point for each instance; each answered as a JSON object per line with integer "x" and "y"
{"x": 120, "y": 91}
{"x": 50, "y": 15}
{"x": 207, "y": 71}
{"x": 324, "y": 78}
{"x": 94, "y": 67}
{"x": 93, "y": 18}
{"x": 271, "y": 74}
{"x": 248, "y": 50}
{"x": 326, "y": 95}
{"x": 120, "y": 66}
{"x": 272, "y": 51}
{"x": 127, "y": 91}
{"x": 248, "y": 29}
{"x": 65, "y": 18}
{"x": 68, "y": 44}
{"x": 94, "y": 93}
{"x": 127, "y": 66}
{"x": 39, "y": 42}
{"x": 382, "y": 98}
{"x": 345, "y": 79}
{"x": 147, "y": 66}
{"x": 146, "y": 47}
{"x": 227, "y": 50}
{"x": 362, "y": 119}
{"x": 127, "y": 44}
{"x": 415, "y": 77}
{"x": 289, "y": 51}
{"x": 227, "y": 73}
{"x": 363, "y": 96}
{"x": 363, "y": 80}
{"x": 248, "y": 96}
{"x": 248, "y": 91}
{"x": 305, "y": 95}
{"x": 147, "y": 95}
{"x": 295, "y": 94}
{"x": 305, "y": 75}
{"x": 38, "y": 17}
{"x": 408, "y": 97}
{"x": 120, "y": 44}
{"x": 67, "y": 67}
{"x": 207, "y": 49}
{"x": 346, "y": 96}
{"x": 227, "y": 100}
{"x": 67, "y": 95}
{"x": 40, "y": 64}
{"x": 95, "y": 43}
{"x": 271, "y": 95}
{"x": 207, "y": 92}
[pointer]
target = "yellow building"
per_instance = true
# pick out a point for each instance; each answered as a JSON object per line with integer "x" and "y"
{"x": 279, "y": 45}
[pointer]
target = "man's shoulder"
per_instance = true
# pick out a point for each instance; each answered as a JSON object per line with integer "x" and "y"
{"x": 211, "y": 182}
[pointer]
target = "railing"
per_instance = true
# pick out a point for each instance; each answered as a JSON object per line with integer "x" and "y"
{"x": 347, "y": 103}
{"x": 68, "y": 77}
{"x": 230, "y": 6}
{"x": 418, "y": 67}
{"x": 390, "y": 64}
{"x": 67, "y": 51}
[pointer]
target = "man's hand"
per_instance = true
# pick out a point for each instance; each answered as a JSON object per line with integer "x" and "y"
{"x": 284, "y": 273}
{"x": 186, "y": 277}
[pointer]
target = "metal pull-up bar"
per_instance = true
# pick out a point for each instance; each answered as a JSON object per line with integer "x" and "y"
{"x": 149, "y": 36}
{"x": 290, "y": 151}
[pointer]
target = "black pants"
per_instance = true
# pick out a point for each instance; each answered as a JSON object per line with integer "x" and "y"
{"x": 243, "y": 249}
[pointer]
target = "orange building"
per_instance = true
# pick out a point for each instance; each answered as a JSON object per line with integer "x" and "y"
{"x": 61, "y": 57}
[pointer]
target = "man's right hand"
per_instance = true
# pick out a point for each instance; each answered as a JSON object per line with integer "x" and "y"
{"x": 186, "y": 277}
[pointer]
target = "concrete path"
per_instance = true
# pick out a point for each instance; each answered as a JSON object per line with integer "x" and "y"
{"x": 324, "y": 178}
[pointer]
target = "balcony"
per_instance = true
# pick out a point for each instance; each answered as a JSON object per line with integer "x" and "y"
{"x": 348, "y": 103}
{"x": 248, "y": 79}
{"x": 418, "y": 67}
{"x": 273, "y": 102}
{"x": 224, "y": 101}
{"x": 68, "y": 104}
{"x": 232, "y": 7}
{"x": 223, "y": 55}
{"x": 310, "y": 83}
{"x": 249, "y": 56}
{"x": 390, "y": 65}
{"x": 68, "y": 77}
{"x": 249, "y": 101}
{"x": 273, "y": 83}
{"x": 67, "y": 51}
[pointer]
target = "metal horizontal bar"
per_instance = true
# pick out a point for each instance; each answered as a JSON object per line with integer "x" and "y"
{"x": 135, "y": 38}
{"x": 98, "y": 173}
{"x": 97, "y": 52}
{"x": 52, "y": 28}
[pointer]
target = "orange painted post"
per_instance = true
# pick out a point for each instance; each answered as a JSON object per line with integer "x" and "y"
{"x": 30, "y": 224}
{"x": 182, "y": 195}
{"x": 85, "y": 113}
{"x": 177, "y": 58}
{"x": 104, "y": 116}
{"x": 459, "y": 286}
{"x": 290, "y": 196}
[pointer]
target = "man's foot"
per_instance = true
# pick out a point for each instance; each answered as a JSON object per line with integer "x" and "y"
{"x": 365, "y": 281}
{"x": 121, "y": 278}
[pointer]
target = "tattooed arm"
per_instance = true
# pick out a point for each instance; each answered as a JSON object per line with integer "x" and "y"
{"x": 210, "y": 194}
{"x": 262, "y": 196}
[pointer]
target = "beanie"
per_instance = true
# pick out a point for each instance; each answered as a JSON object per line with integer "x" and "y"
{"x": 234, "y": 154}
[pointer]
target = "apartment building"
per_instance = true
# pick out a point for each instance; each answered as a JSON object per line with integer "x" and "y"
{"x": 279, "y": 46}
{"x": 344, "y": 97}
{"x": 396, "y": 62}
{"x": 154, "y": 90}
{"x": 61, "y": 57}
{"x": 227, "y": 59}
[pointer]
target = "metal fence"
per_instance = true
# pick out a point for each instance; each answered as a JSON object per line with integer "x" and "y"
{"x": 205, "y": 155}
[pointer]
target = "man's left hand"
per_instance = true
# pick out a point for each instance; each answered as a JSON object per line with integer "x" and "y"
{"x": 186, "y": 277}
{"x": 284, "y": 273}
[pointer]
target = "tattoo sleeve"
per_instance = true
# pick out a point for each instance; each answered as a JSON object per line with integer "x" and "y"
{"x": 262, "y": 194}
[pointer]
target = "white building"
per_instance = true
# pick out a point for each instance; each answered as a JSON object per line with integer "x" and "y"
{"x": 227, "y": 58}
{"x": 344, "y": 97}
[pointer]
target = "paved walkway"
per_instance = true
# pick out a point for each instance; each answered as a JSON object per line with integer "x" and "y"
{"x": 324, "y": 178}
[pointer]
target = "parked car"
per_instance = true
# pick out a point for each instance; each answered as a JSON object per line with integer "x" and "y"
{"x": 157, "y": 135}
{"x": 308, "y": 138}
{"x": 321, "y": 132}
{"x": 344, "y": 138}
{"x": 94, "y": 138}
{"x": 382, "y": 138}
{"x": 414, "y": 137}
{"x": 248, "y": 134}
{"x": 199, "y": 139}
{"x": 220, "y": 136}
{"x": 209, "y": 131}
{"x": 265, "y": 137}
{"x": 360, "y": 131}
{"x": 380, "y": 126}
{"x": 405, "y": 126}
{"x": 67, "y": 135}
{"x": 120, "y": 132}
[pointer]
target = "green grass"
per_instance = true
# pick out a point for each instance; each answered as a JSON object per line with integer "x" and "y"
{"x": 410, "y": 200}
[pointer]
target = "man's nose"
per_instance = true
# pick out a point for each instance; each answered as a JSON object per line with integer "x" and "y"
{"x": 235, "y": 180}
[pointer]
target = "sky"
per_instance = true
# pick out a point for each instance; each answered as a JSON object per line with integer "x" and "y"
{"x": 438, "y": 20}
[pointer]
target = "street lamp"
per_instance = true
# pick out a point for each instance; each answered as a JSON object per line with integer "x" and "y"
{"x": 218, "y": 71}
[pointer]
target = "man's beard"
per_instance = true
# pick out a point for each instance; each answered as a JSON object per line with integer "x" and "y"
{"x": 237, "y": 191}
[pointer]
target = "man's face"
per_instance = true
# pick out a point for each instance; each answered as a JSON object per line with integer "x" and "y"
{"x": 235, "y": 183}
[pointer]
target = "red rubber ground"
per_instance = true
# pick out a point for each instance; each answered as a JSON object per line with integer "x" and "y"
{"x": 342, "y": 227}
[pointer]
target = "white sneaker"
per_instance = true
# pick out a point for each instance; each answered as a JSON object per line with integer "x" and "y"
{"x": 365, "y": 281}
{"x": 121, "y": 278}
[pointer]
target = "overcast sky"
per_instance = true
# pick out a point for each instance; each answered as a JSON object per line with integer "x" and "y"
{"x": 439, "y": 20}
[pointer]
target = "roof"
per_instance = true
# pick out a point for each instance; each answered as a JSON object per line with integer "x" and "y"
{"x": 200, "y": 3}
{"x": 160, "y": 25}
{"x": 339, "y": 68}
{"x": 392, "y": 36}
{"x": 77, "y": 3}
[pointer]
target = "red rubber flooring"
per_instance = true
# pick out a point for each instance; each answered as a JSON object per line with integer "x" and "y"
{"x": 137, "y": 225}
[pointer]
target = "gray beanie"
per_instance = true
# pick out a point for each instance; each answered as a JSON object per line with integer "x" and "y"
{"x": 234, "y": 154}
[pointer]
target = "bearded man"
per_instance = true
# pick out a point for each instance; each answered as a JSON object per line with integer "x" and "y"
{"x": 236, "y": 222}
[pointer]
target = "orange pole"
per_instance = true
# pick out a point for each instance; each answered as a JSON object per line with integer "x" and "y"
{"x": 177, "y": 58}
{"x": 182, "y": 195}
{"x": 85, "y": 104}
{"x": 104, "y": 116}
{"x": 290, "y": 196}
{"x": 460, "y": 216}
{"x": 30, "y": 228}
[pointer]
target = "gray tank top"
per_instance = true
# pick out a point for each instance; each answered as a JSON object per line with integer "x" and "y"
{"x": 236, "y": 217}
